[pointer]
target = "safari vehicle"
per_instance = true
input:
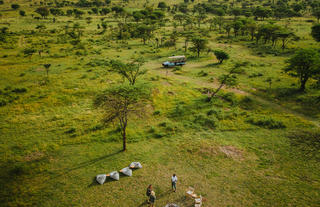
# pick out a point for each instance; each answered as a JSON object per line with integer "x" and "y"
{"x": 175, "y": 61}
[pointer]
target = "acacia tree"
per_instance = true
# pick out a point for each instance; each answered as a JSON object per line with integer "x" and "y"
{"x": 121, "y": 101}
{"x": 221, "y": 55}
{"x": 129, "y": 71}
{"x": 47, "y": 67}
{"x": 305, "y": 64}
{"x": 199, "y": 44}
{"x": 144, "y": 32}
{"x": 43, "y": 11}
{"x": 229, "y": 80}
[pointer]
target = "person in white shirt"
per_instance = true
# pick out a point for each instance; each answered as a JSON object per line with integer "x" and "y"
{"x": 174, "y": 180}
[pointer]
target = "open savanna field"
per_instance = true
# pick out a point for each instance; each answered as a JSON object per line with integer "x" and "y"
{"x": 255, "y": 143}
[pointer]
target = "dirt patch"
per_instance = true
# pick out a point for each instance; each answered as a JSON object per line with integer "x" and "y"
{"x": 208, "y": 150}
{"x": 34, "y": 156}
{"x": 232, "y": 152}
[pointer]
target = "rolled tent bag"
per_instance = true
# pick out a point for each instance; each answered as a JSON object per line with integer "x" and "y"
{"x": 135, "y": 165}
{"x": 127, "y": 171}
{"x": 101, "y": 178}
{"x": 114, "y": 175}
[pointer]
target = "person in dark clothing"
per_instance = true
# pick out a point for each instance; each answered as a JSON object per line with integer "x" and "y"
{"x": 152, "y": 199}
{"x": 148, "y": 193}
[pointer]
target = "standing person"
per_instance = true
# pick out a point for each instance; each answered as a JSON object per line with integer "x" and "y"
{"x": 152, "y": 198}
{"x": 174, "y": 180}
{"x": 148, "y": 193}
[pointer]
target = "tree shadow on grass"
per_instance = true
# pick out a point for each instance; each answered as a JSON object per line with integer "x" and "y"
{"x": 212, "y": 65}
{"x": 85, "y": 164}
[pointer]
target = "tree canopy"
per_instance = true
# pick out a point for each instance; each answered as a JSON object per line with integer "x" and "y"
{"x": 305, "y": 64}
{"x": 315, "y": 32}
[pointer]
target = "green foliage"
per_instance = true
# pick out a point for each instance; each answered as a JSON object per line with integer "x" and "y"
{"x": 266, "y": 122}
{"x": 315, "y": 32}
{"x": 221, "y": 55}
{"x": 130, "y": 71}
{"x": 199, "y": 44}
{"x": 43, "y": 11}
{"x": 15, "y": 6}
{"x": 22, "y": 13}
{"x": 205, "y": 121}
{"x": 304, "y": 64}
{"x": 120, "y": 101}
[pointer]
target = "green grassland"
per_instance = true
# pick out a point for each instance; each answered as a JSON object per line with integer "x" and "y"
{"x": 254, "y": 145}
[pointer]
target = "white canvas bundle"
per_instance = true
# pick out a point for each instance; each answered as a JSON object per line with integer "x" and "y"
{"x": 136, "y": 165}
{"x": 101, "y": 178}
{"x": 127, "y": 171}
{"x": 115, "y": 175}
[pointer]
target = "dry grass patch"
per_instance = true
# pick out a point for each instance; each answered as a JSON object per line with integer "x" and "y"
{"x": 232, "y": 152}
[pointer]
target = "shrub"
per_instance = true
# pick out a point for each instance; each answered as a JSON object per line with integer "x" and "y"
{"x": 230, "y": 97}
{"x": 266, "y": 122}
{"x": 221, "y": 55}
{"x": 15, "y": 6}
{"x": 210, "y": 122}
{"x": 202, "y": 73}
{"x": 19, "y": 90}
{"x": 253, "y": 75}
{"x": 156, "y": 112}
{"x": 215, "y": 112}
{"x": 247, "y": 103}
{"x": 22, "y": 13}
{"x": 96, "y": 127}
{"x": 178, "y": 111}
{"x": 2, "y": 102}
{"x": 71, "y": 130}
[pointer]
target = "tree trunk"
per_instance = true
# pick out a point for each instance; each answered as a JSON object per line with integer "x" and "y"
{"x": 303, "y": 83}
{"x": 124, "y": 138}
{"x": 198, "y": 51}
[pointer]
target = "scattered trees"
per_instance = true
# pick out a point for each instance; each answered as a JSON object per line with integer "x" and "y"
{"x": 305, "y": 64}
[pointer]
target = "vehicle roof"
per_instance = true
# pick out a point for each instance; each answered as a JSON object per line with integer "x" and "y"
{"x": 176, "y": 57}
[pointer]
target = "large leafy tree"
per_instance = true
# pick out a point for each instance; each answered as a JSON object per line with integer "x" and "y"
{"x": 199, "y": 44}
{"x": 305, "y": 64}
{"x": 145, "y": 32}
{"x": 221, "y": 55}
{"x": 43, "y": 11}
{"x": 315, "y": 32}
{"x": 120, "y": 101}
